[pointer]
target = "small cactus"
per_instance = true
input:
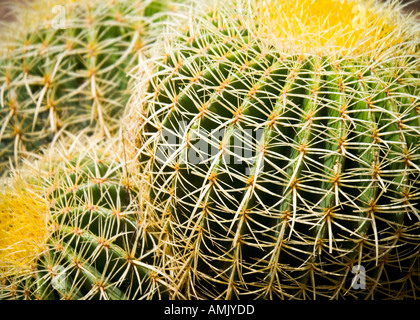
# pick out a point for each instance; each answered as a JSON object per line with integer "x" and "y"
{"x": 95, "y": 243}
{"x": 283, "y": 152}
{"x": 69, "y": 74}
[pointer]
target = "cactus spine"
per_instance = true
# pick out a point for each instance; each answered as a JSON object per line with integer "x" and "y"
{"x": 282, "y": 171}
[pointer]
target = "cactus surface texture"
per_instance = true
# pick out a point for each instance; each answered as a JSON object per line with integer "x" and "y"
{"x": 286, "y": 169}
{"x": 95, "y": 244}
{"x": 237, "y": 149}
{"x": 69, "y": 71}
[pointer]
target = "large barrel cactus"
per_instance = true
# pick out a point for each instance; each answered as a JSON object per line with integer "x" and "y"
{"x": 280, "y": 142}
{"x": 75, "y": 230}
{"x": 68, "y": 70}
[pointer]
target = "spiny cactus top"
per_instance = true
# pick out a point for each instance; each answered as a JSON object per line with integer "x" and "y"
{"x": 68, "y": 72}
{"x": 85, "y": 235}
{"x": 281, "y": 141}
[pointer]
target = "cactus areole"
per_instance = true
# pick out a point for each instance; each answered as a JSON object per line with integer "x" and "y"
{"x": 288, "y": 167}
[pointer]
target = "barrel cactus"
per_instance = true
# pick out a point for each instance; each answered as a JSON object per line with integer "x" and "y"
{"x": 72, "y": 229}
{"x": 280, "y": 143}
{"x": 64, "y": 66}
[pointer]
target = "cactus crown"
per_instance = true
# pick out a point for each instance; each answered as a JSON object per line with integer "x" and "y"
{"x": 340, "y": 26}
{"x": 23, "y": 227}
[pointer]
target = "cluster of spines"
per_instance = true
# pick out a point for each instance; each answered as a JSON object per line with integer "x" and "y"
{"x": 332, "y": 182}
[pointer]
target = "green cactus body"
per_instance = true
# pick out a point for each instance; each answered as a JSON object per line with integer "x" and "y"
{"x": 284, "y": 174}
{"x": 96, "y": 247}
{"x": 70, "y": 77}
